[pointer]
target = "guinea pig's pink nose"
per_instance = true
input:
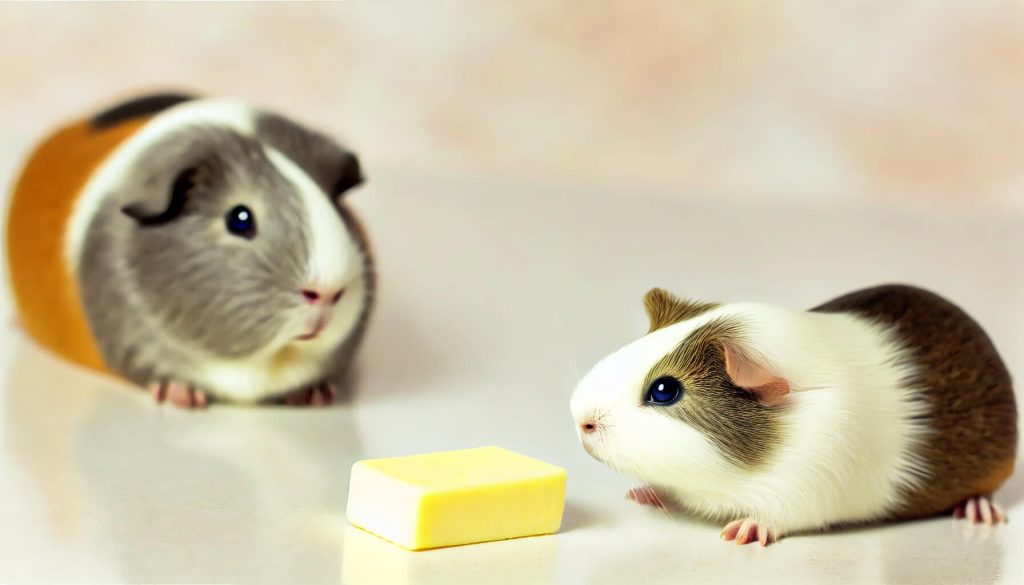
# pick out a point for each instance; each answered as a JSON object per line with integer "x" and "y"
{"x": 588, "y": 426}
{"x": 322, "y": 296}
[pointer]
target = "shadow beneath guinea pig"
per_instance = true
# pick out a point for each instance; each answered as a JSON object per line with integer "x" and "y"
{"x": 972, "y": 554}
{"x": 229, "y": 494}
{"x": 960, "y": 552}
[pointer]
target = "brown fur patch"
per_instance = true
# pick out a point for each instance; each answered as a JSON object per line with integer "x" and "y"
{"x": 666, "y": 309}
{"x": 745, "y": 430}
{"x": 966, "y": 386}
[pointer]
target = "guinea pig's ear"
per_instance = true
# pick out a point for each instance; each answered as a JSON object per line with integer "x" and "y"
{"x": 162, "y": 206}
{"x": 664, "y": 308}
{"x": 752, "y": 374}
{"x": 351, "y": 176}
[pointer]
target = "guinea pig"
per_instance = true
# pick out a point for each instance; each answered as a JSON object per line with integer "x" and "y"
{"x": 196, "y": 246}
{"x": 886, "y": 403}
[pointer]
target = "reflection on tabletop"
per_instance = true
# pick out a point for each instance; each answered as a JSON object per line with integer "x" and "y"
{"x": 160, "y": 491}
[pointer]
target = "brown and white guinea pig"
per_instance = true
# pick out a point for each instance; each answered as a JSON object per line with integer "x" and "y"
{"x": 197, "y": 246}
{"x": 886, "y": 403}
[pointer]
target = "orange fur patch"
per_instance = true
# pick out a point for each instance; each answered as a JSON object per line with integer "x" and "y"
{"x": 45, "y": 291}
{"x": 991, "y": 483}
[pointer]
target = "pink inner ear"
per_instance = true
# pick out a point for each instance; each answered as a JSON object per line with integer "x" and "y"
{"x": 769, "y": 388}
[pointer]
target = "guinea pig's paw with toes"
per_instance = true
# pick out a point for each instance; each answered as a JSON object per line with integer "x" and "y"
{"x": 322, "y": 394}
{"x": 646, "y": 496}
{"x": 749, "y": 530}
{"x": 179, "y": 394}
{"x": 980, "y": 510}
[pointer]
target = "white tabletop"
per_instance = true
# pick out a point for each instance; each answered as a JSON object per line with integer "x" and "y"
{"x": 494, "y": 299}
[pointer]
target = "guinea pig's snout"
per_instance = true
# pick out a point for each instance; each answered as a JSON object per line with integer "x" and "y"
{"x": 591, "y": 423}
{"x": 321, "y": 295}
{"x": 320, "y": 301}
{"x": 592, "y": 427}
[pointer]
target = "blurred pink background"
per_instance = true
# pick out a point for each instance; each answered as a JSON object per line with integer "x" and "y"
{"x": 534, "y": 167}
{"x": 876, "y": 101}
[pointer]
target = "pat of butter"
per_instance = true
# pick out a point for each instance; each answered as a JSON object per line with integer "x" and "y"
{"x": 456, "y": 497}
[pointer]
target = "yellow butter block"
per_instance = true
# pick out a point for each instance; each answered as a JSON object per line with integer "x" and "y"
{"x": 456, "y": 497}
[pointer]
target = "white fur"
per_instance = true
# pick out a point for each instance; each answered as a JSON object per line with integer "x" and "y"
{"x": 108, "y": 175}
{"x": 289, "y": 363}
{"x": 331, "y": 250}
{"x": 849, "y": 439}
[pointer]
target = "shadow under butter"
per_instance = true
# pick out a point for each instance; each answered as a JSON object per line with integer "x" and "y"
{"x": 368, "y": 559}
{"x": 576, "y": 516}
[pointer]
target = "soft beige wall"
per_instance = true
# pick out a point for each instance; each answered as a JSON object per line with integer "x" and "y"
{"x": 726, "y": 98}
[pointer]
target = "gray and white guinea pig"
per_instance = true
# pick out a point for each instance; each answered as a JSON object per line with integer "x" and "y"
{"x": 197, "y": 246}
{"x": 886, "y": 403}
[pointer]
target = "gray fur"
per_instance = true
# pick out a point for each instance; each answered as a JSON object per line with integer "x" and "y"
{"x": 334, "y": 169}
{"x": 158, "y": 296}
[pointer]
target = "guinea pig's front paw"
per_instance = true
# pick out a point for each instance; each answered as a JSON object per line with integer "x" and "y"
{"x": 322, "y": 394}
{"x": 749, "y": 530}
{"x": 980, "y": 510}
{"x": 646, "y": 496}
{"x": 178, "y": 394}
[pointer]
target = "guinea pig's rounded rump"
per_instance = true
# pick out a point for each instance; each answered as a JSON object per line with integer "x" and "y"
{"x": 962, "y": 378}
{"x": 42, "y": 281}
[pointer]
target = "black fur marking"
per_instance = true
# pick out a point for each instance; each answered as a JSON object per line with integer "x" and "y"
{"x": 351, "y": 176}
{"x": 138, "y": 107}
{"x": 183, "y": 184}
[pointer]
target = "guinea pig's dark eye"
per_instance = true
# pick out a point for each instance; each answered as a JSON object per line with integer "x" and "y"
{"x": 241, "y": 221}
{"x": 664, "y": 391}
